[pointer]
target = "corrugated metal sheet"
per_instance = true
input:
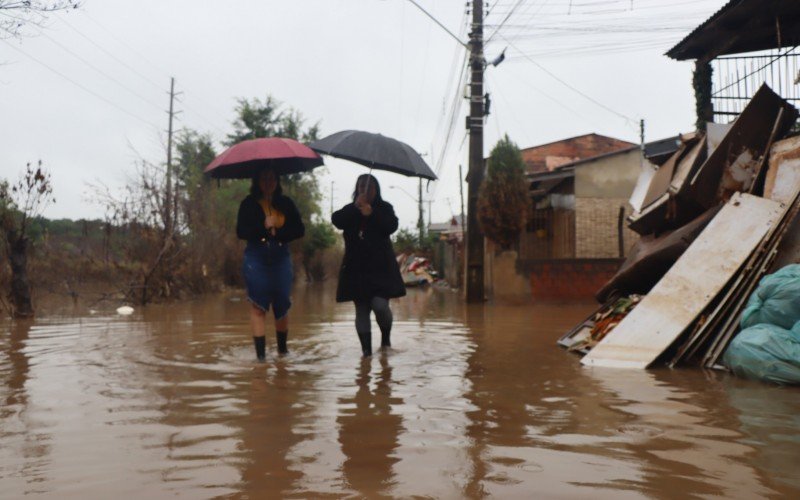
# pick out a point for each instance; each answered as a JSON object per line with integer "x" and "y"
{"x": 690, "y": 285}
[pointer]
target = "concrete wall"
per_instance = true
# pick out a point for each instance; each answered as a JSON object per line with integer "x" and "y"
{"x": 610, "y": 177}
{"x": 603, "y": 186}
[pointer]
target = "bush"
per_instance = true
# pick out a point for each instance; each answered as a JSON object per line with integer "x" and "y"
{"x": 503, "y": 197}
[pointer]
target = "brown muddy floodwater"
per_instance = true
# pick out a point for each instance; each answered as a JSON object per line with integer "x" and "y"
{"x": 475, "y": 402}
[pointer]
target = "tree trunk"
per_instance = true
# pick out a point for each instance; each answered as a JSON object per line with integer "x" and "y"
{"x": 20, "y": 286}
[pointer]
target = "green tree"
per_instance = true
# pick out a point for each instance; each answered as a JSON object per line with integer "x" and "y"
{"x": 194, "y": 152}
{"x": 502, "y": 201}
{"x": 21, "y": 203}
{"x": 319, "y": 236}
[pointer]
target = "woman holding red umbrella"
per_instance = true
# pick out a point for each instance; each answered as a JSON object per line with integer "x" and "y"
{"x": 268, "y": 220}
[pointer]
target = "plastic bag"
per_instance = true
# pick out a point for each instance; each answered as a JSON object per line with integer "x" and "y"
{"x": 776, "y": 301}
{"x": 766, "y": 352}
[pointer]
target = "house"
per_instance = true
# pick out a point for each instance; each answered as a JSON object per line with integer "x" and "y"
{"x": 548, "y": 157}
{"x": 448, "y": 251}
{"x": 575, "y": 237}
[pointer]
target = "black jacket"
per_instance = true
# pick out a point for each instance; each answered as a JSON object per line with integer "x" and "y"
{"x": 250, "y": 221}
{"x": 369, "y": 268}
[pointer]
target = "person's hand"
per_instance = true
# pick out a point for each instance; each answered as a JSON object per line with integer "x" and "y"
{"x": 269, "y": 222}
{"x": 363, "y": 205}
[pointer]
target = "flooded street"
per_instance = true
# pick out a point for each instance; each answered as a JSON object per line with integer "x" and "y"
{"x": 473, "y": 402}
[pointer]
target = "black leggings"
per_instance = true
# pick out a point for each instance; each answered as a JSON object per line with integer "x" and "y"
{"x": 383, "y": 314}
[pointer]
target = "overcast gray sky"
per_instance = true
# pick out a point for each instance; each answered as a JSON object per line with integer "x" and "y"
{"x": 91, "y": 88}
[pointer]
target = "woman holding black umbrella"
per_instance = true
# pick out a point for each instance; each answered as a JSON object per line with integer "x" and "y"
{"x": 268, "y": 220}
{"x": 369, "y": 276}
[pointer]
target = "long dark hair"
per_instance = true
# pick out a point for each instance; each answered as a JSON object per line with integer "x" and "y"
{"x": 255, "y": 189}
{"x": 373, "y": 182}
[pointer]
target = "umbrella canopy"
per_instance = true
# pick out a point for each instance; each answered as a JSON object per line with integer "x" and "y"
{"x": 245, "y": 159}
{"x": 375, "y": 151}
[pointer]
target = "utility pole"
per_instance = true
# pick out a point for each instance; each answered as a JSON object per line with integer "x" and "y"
{"x": 421, "y": 221}
{"x": 332, "y": 198}
{"x": 641, "y": 134}
{"x": 461, "y": 220}
{"x": 170, "y": 198}
{"x": 430, "y": 210}
{"x": 475, "y": 246}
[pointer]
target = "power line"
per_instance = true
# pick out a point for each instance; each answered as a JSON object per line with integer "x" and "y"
{"x": 128, "y": 66}
{"x": 86, "y": 89}
{"x": 510, "y": 13}
{"x": 558, "y": 79}
{"x": 456, "y": 38}
{"x": 109, "y": 53}
{"x": 123, "y": 42}
{"x": 98, "y": 70}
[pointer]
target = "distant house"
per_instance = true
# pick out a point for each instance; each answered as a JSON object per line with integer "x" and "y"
{"x": 448, "y": 252}
{"x": 550, "y": 156}
{"x": 575, "y": 237}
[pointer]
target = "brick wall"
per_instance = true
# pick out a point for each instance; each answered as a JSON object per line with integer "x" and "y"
{"x": 596, "y": 234}
{"x": 569, "y": 279}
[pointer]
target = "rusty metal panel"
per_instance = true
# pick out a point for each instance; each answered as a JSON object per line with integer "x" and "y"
{"x": 731, "y": 166}
{"x": 688, "y": 166}
{"x": 660, "y": 182}
{"x": 687, "y": 289}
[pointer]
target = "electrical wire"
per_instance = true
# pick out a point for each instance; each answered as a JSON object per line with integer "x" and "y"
{"x": 569, "y": 86}
{"x": 98, "y": 70}
{"x": 135, "y": 71}
{"x": 82, "y": 87}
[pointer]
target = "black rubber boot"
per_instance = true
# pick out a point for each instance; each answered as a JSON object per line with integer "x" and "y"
{"x": 366, "y": 343}
{"x": 386, "y": 340}
{"x": 282, "y": 337}
{"x": 260, "y": 343}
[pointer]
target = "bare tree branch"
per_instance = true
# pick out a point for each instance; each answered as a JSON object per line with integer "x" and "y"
{"x": 15, "y": 15}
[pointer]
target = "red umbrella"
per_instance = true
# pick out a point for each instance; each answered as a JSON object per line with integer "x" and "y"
{"x": 245, "y": 159}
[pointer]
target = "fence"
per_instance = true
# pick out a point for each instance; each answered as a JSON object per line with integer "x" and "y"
{"x": 736, "y": 78}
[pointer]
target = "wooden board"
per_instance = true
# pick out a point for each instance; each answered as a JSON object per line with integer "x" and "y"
{"x": 690, "y": 285}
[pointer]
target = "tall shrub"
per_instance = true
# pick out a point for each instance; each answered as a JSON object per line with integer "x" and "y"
{"x": 503, "y": 198}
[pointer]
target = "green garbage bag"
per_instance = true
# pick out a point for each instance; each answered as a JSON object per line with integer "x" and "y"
{"x": 776, "y": 301}
{"x": 766, "y": 352}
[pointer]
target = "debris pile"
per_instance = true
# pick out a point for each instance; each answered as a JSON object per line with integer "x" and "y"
{"x": 416, "y": 271}
{"x": 717, "y": 216}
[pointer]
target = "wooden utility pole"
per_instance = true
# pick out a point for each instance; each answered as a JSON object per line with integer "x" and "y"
{"x": 475, "y": 246}
{"x": 421, "y": 221}
{"x": 461, "y": 220}
{"x": 169, "y": 198}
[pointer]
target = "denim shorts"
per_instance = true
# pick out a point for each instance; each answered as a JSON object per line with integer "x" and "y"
{"x": 268, "y": 274}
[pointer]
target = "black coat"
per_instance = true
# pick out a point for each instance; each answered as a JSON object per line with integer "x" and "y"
{"x": 250, "y": 221}
{"x": 369, "y": 268}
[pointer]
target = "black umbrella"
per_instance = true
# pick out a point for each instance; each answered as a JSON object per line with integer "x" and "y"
{"x": 374, "y": 151}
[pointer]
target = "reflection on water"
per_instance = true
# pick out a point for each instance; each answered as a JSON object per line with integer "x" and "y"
{"x": 473, "y": 402}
